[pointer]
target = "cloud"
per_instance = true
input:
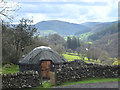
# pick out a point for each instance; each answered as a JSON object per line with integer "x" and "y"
{"x": 65, "y": 0}
{"x": 84, "y": 11}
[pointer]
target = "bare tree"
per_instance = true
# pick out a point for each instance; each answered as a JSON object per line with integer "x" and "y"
{"x": 8, "y": 9}
{"x": 59, "y": 48}
{"x": 94, "y": 53}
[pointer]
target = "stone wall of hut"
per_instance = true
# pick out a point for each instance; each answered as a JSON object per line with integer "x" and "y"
{"x": 21, "y": 80}
{"x": 77, "y": 70}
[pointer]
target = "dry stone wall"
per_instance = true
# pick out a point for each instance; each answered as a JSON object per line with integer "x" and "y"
{"x": 21, "y": 80}
{"x": 77, "y": 70}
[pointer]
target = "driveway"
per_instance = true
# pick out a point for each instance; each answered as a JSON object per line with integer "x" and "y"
{"x": 93, "y": 85}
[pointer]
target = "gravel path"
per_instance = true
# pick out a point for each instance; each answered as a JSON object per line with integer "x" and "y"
{"x": 93, "y": 85}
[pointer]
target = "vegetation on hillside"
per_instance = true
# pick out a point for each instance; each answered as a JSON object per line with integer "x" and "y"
{"x": 101, "y": 50}
{"x": 83, "y": 36}
{"x": 108, "y": 31}
{"x": 61, "y": 27}
{"x": 76, "y": 56}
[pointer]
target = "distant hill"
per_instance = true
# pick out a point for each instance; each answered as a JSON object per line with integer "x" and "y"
{"x": 107, "y": 39}
{"x": 90, "y": 24}
{"x": 96, "y": 26}
{"x": 111, "y": 29}
{"x": 101, "y": 26}
{"x": 109, "y": 43}
{"x": 61, "y": 27}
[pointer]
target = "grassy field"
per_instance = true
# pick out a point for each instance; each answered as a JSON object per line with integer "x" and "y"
{"x": 73, "y": 56}
{"x": 10, "y": 69}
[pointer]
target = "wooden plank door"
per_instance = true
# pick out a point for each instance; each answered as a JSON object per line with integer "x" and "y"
{"x": 45, "y": 69}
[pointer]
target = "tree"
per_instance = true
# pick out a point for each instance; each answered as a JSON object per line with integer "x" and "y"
{"x": 58, "y": 48}
{"x": 8, "y": 50}
{"x": 81, "y": 48}
{"x": 7, "y": 9}
{"x": 104, "y": 58}
{"x": 68, "y": 42}
{"x": 94, "y": 53}
{"x": 73, "y": 43}
{"x": 23, "y": 35}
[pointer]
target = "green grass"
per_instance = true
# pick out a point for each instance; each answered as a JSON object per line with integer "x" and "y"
{"x": 10, "y": 69}
{"x": 71, "y": 57}
{"x": 85, "y": 35}
{"x": 90, "y": 42}
{"x": 84, "y": 81}
{"x": 90, "y": 80}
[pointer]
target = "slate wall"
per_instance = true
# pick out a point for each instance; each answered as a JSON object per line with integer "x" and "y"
{"x": 21, "y": 80}
{"x": 77, "y": 70}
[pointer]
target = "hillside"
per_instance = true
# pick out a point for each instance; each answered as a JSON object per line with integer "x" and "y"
{"x": 101, "y": 26}
{"x": 90, "y": 24}
{"x": 109, "y": 43}
{"x": 107, "y": 39}
{"x": 61, "y": 27}
{"x": 103, "y": 33}
{"x": 96, "y": 27}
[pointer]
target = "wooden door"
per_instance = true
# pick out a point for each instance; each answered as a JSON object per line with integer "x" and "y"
{"x": 45, "y": 69}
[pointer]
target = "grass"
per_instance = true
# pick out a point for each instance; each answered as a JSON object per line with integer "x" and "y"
{"x": 117, "y": 62}
{"x": 84, "y": 35}
{"x": 70, "y": 57}
{"x": 73, "y": 56}
{"x": 10, "y": 69}
{"x": 84, "y": 81}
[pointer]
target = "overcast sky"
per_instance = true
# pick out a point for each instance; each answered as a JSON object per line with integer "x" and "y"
{"x": 74, "y": 11}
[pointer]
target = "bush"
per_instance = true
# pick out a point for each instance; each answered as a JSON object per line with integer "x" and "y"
{"x": 70, "y": 51}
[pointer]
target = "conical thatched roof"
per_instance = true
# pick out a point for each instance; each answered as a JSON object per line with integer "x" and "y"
{"x": 42, "y": 53}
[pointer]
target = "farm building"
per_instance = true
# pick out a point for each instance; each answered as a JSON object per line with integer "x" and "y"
{"x": 42, "y": 59}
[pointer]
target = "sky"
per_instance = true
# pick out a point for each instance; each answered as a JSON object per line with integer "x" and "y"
{"x": 73, "y": 11}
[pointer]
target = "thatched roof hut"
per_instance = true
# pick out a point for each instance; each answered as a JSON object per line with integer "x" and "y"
{"x": 40, "y": 59}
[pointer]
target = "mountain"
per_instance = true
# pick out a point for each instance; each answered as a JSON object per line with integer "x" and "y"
{"x": 101, "y": 26}
{"x": 96, "y": 26}
{"x": 90, "y": 24}
{"x": 111, "y": 29}
{"x": 109, "y": 43}
{"x": 61, "y": 27}
{"x": 107, "y": 39}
